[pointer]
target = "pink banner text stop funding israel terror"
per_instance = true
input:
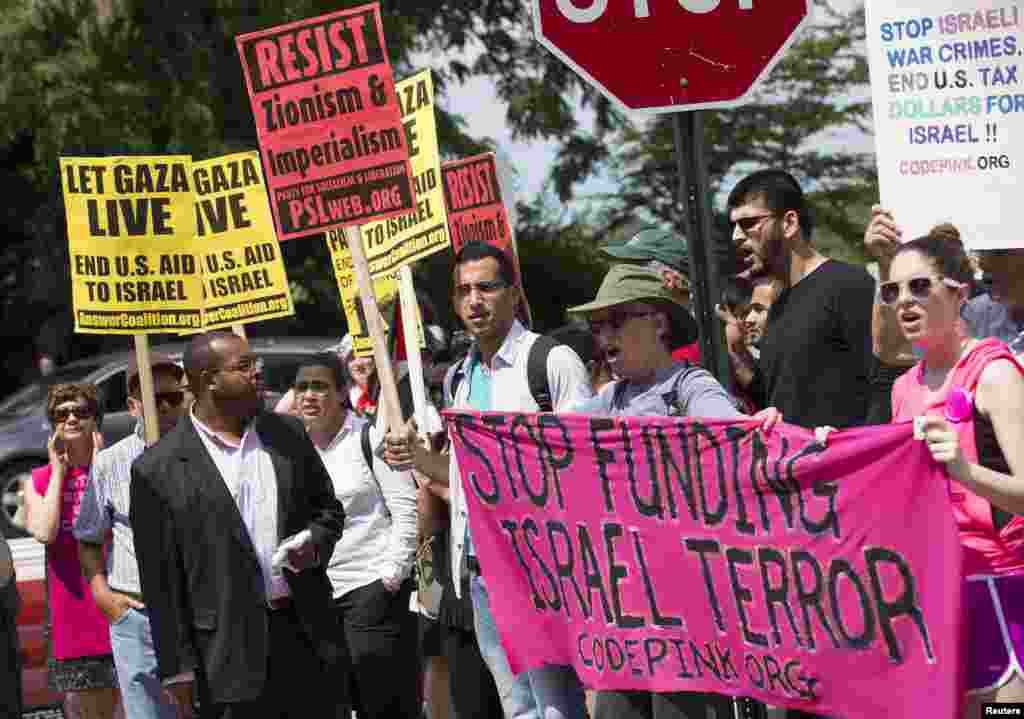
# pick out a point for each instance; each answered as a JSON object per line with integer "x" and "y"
{"x": 329, "y": 125}
{"x": 669, "y": 554}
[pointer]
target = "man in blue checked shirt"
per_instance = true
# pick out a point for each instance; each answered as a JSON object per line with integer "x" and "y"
{"x": 115, "y": 583}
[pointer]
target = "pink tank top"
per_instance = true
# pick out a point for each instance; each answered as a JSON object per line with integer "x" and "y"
{"x": 77, "y": 626}
{"x": 986, "y": 549}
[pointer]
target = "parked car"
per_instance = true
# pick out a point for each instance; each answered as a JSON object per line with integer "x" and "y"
{"x": 24, "y": 429}
{"x": 23, "y": 435}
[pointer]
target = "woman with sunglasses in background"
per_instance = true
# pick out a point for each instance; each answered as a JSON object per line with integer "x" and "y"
{"x": 80, "y": 663}
{"x": 637, "y": 321}
{"x": 971, "y": 393}
{"x": 998, "y": 313}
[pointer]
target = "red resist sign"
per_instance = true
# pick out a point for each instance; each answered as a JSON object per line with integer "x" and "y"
{"x": 328, "y": 121}
{"x": 473, "y": 200}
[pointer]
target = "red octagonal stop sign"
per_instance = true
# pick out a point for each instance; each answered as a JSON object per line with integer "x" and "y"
{"x": 670, "y": 55}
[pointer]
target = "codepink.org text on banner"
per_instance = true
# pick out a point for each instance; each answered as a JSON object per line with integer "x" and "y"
{"x": 678, "y": 555}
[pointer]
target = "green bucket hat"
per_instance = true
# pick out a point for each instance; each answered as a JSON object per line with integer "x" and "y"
{"x": 635, "y": 283}
{"x": 652, "y": 244}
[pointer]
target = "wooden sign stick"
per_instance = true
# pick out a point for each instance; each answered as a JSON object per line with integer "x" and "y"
{"x": 392, "y": 412}
{"x": 407, "y": 292}
{"x": 146, "y": 389}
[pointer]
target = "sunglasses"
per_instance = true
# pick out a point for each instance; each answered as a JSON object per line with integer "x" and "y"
{"x": 312, "y": 387}
{"x": 615, "y": 322}
{"x": 748, "y": 223}
{"x": 61, "y": 414}
{"x": 919, "y": 288}
{"x": 485, "y": 288}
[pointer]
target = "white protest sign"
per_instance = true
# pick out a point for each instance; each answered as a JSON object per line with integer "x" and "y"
{"x": 946, "y": 82}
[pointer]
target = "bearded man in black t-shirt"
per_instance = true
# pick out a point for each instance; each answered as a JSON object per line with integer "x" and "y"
{"x": 816, "y": 354}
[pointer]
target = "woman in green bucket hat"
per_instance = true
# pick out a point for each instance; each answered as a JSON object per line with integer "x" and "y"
{"x": 637, "y": 321}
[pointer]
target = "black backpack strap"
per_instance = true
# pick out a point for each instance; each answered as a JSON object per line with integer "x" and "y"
{"x": 364, "y": 441}
{"x": 457, "y": 375}
{"x": 537, "y": 372}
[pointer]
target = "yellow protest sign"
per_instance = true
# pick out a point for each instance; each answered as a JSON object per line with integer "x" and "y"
{"x": 131, "y": 239}
{"x": 401, "y": 240}
{"x": 385, "y": 288}
{"x": 407, "y": 238}
{"x": 243, "y": 273}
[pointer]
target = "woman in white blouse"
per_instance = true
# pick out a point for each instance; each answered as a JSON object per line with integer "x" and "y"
{"x": 371, "y": 567}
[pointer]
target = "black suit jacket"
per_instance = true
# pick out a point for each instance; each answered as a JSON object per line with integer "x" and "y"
{"x": 201, "y": 580}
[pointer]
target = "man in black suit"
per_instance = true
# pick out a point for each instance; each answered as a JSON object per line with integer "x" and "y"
{"x": 235, "y": 518}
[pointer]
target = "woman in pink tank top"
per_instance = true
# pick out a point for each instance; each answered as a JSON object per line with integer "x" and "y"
{"x": 80, "y": 664}
{"x": 970, "y": 396}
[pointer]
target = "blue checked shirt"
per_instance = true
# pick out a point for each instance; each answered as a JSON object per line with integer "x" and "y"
{"x": 105, "y": 508}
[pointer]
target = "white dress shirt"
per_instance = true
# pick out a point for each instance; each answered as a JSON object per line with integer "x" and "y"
{"x": 379, "y": 539}
{"x": 510, "y": 392}
{"x": 248, "y": 472}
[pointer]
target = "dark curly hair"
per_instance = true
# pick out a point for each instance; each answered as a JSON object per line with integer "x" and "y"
{"x": 73, "y": 392}
{"x": 945, "y": 250}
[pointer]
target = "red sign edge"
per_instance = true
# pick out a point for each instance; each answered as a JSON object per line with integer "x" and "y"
{"x": 719, "y": 105}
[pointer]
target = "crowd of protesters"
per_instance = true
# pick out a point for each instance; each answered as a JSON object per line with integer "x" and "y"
{"x": 265, "y": 564}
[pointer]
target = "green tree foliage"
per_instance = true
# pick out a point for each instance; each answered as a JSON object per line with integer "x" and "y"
{"x": 801, "y": 119}
{"x": 104, "y": 77}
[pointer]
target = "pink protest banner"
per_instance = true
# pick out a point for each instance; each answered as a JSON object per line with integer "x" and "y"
{"x": 328, "y": 120}
{"x": 473, "y": 199}
{"x": 670, "y": 554}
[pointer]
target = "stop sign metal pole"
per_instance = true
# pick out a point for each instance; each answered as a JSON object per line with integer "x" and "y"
{"x": 695, "y": 198}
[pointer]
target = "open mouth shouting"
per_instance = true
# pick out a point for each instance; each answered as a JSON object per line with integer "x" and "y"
{"x": 749, "y": 262}
{"x": 910, "y": 319}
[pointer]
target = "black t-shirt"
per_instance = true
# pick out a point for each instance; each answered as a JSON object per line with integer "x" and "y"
{"x": 816, "y": 357}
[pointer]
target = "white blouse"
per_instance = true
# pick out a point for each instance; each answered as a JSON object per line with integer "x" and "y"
{"x": 379, "y": 538}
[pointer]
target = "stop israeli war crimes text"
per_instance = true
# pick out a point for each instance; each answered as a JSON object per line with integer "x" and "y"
{"x": 664, "y": 480}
